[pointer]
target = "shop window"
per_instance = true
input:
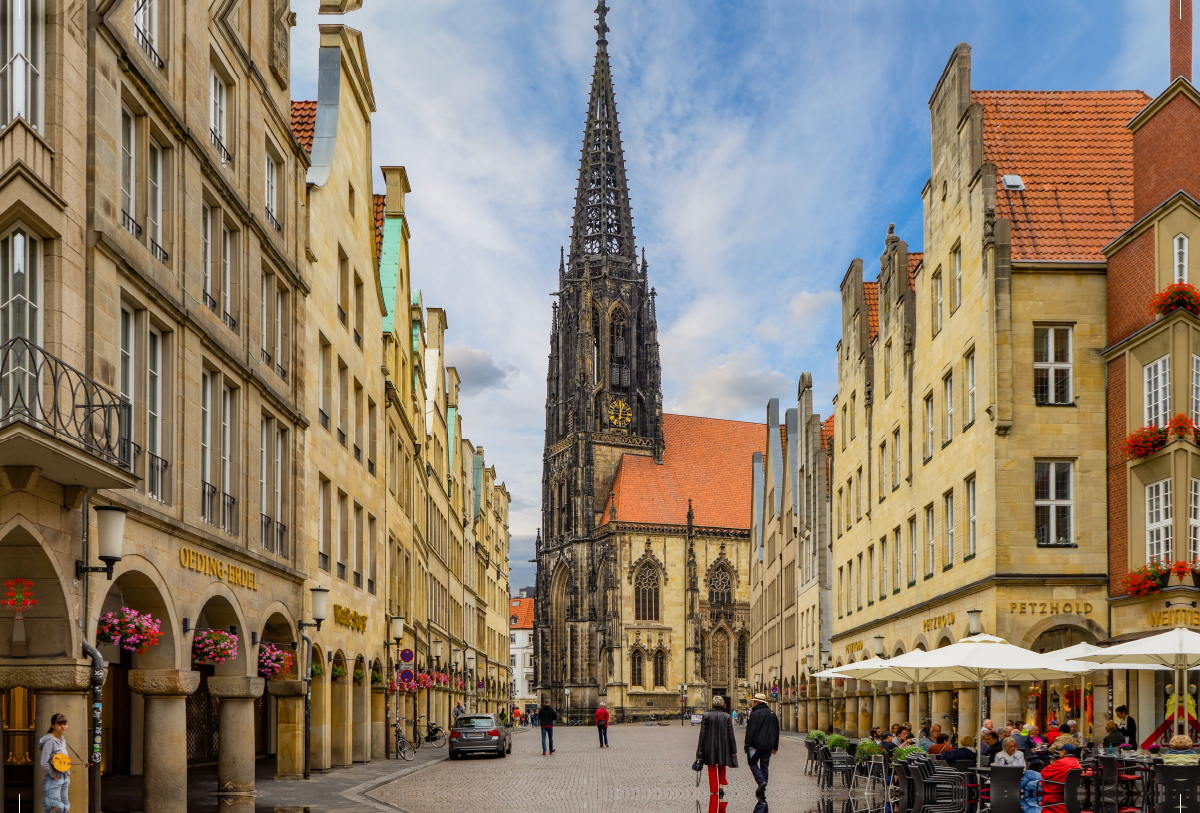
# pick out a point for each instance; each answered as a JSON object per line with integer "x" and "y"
{"x": 1052, "y": 360}
{"x": 1158, "y": 522}
{"x": 1053, "y": 502}
{"x": 1157, "y": 377}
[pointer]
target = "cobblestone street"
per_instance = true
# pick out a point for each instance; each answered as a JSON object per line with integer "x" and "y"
{"x": 646, "y": 769}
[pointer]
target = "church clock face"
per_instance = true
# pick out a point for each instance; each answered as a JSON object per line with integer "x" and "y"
{"x": 619, "y": 414}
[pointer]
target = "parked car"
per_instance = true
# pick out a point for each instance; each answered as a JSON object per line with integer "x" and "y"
{"x": 480, "y": 734}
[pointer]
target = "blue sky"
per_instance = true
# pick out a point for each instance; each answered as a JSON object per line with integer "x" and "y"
{"x": 767, "y": 145}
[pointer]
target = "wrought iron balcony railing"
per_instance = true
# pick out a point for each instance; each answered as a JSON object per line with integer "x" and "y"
{"x": 229, "y": 320}
{"x": 358, "y": 453}
{"x": 341, "y": 571}
{"x": 371, "y": 586}
{"x": 341, "y": 315}
{"x": 272, "y": 219}
{"x": 208, "y": 502}
{"x": 371, "y": 466}
{"x": 267, "y": 539}
{"x": 156, "y": 474}
{"x": 228, "y": 513}
{"x": 281, "y": 539}
{"x": 130, "y": 225}
{"x": 324, "y": 418}
{"x": 45, "y": 392}
{"x": 210, "y": 301}
{"x": 341, "y": 436}
{"x": 144, "y": 41}
{"x": 357, "y": 337}
{"x": 357, "y": 579}
{"x": 220, "y": 145}
{"x": 281, "y": 370}
{"x": 265, "y": 356}
{"x": 159, "y": 252}
{"x": 323, "y": 560}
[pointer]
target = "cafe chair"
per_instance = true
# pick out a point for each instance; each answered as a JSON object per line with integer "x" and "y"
{"x": 831, "y": 765}
{"x": 1116, "y": 789}
{"x": 1070, "y": 793}
{"x": 1175, "y": 788}
{"x": 937, "y": 790}
{"x": 1004, "y": 791}
{"x": 810, "y": 762}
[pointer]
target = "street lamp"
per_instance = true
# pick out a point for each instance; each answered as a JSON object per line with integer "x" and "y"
{"x": 682, "y": 703}
{"x": 396, "y": 628}
{"x": 471, "y": 669}
{"x": 975, "y": 621}
{"x": 320, "y": 602}
{"x": 879, "y": 646}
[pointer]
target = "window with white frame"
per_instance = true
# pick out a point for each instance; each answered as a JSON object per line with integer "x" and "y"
{"x": 969, "y": 418}
{"x": 860, "y": 581}
{"x": 937, "y": 302}
{"x": 1052, "y": 365}
{"x": 1158, "y": 522}
{"x": 958, "y": 285}
{"x": 263, "y": 468}
{"x": 883, "y": 467}
{"x": 883, "y": 567}
{"x": 871, "y": 574}
{"x": 1194, "y": 522}
{"x": 896, "y": 460}
{"x": 218, "y": 91}
{"x": 271, "y": 189}
{"x": 1195, "y": 389}
{"x": 129, "y": 171}
{"x": 1181, "y": 258}
{"x": 912, "y": 550}
{"x": 948, "y": 514}
{"x": 20, "y": 303}
{"x": 127, "y": 354}
{"x": 930, "y": 540}
{"x": 154, "y": 416}
{"x": 226, "y": 440}
{"x": 887, "y": 369}
{"x": 206, "y": 223}
{"x": 840, "y": 591}
{"x": 948, "y": 394}
{"x": 154, "y": 197}
{"x": 1053, "y": 501}
{"x": 22, "y": 55}
{"x": 972, "y": 527}
{"x": 896, "y": 559}
{"x": 858, "y": 495}
{"x": 1157, "y": 390}
{"x": 928, "y": 426}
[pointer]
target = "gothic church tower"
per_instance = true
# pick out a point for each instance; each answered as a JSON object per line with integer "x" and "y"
{"x": 603, "y": 396}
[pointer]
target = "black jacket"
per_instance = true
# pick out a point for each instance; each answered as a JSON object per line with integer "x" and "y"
{"x": 1128, "y": 726}
{"x": 547, "y": 716}
{"x": 762, "y": 730}
{"x": 1115, "y": 737}
{"x": 717, "y": 745}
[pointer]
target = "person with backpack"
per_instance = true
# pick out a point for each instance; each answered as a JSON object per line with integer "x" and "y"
{"x": 602, "y": 724}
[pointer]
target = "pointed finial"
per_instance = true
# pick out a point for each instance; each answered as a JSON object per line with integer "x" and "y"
{"x": 562, "y": 266}
{"x": 601, "y": 27}
{"x": 643, "y": 262}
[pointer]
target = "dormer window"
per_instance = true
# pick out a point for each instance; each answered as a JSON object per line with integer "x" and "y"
{"x": 1181, "y": 258}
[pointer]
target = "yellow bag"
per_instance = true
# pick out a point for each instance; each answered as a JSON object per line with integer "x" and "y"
{"x": 61, "y": 763}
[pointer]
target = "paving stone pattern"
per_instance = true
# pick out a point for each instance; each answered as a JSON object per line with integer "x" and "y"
{"x": 647, "y": 768}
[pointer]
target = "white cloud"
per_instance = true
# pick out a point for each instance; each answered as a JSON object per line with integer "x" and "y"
{"x": 477, "y": 370}
{"x": 731, "y": 387}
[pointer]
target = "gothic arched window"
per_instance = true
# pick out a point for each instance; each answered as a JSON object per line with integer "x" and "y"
{"x": 595, "y": 345}
{"x": 646, "y": 594}
{"x": 619, "y": 373}
{"x": 741, "y": 657}
{"x": 635, "y": 668}
{"x": 720, "y": 658}
{"x": 660, "y": 668}
{"x": 720, "y": 587}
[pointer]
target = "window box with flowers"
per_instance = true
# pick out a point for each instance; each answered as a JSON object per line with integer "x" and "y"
{"x": 1173, "y": 297}
{"x": 1148, "y": 579}
{"x": 1187, "y": 572}
{"x": 1150, "y": 439}
{"x": 214, "y": 646}
{"x": 128, "y": 629}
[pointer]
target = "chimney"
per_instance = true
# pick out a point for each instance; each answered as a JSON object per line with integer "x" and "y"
{"x": 1181, "y": 39}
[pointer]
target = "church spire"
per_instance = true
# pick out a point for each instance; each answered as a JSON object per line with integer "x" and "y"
{"x": 603, "y": 224}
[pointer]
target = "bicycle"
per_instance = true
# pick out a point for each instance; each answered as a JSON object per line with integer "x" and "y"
{"x": 403, "y": 747}
{"x": 433, "y": 734}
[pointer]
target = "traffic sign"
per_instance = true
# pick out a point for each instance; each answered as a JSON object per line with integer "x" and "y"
{"x": 406, "y": 655}
{"x": 406, "y": 675}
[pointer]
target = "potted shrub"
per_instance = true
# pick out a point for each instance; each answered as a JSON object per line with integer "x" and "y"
{"x": 214, "y": 646}
{"x": 816, "y": 736}
{"x": 867, "y": 749}
{"x": 837, "y": 742}
{"x": 273, "y": 661}
{"x": 905, "y": 751}
{"x": 129, "y": 630}
{"x": 1147, "y": 579}
{"x": 1178, "y": 295}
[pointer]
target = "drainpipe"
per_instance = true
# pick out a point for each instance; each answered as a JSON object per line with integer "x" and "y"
{"x": 307, "y": 703}
{"x": 97, "y": 680}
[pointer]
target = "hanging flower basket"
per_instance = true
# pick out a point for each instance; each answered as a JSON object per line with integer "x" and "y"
{"x": 214, "y": 646}
{"x": 459, "y": 683}
{"x": 129, "y": 630}
{"x": 273, "y": 661}
{"x": 1179, "y": 295}
{"x": 337, "y": 673}
{"x": 441, "y": 678}
{"x": 424, "y": 680}
{"x": 376, "y": 679}
{"x": 317, "y": 669}
{"x": 1147, "y": 579}
{"x": 358, "y": 676}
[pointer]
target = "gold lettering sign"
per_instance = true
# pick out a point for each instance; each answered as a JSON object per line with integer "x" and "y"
{"x": 1175, "y": 618}
{"x": 854, "y": 647}
{"x": 937, "y": 622}
{"x": 349, "y": 618}
{"x": 222, "y": 569}
{"x": 1049, "y": 607}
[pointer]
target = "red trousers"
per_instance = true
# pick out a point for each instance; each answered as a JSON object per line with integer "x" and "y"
{"x": 716, "y": 776}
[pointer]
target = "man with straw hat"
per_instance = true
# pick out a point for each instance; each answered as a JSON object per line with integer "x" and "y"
{"x": 761, "y": 741}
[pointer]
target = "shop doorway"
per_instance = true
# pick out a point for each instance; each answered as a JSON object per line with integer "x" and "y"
{"x": 116, "y": 755}
{"x": 17, "y": 713}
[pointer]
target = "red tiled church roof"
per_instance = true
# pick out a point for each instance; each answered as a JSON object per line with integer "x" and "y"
{"x": 380, "y": 206}
{"x": 706, "y": 460}
{"x": 1075, "y": 156}
{"x": 522, "y": 609}
{"x": 871, "y": 298}
{"x": 304, "y": 122}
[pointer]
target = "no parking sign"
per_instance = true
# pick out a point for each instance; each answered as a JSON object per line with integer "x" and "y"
{"x": 406, "y": 655}
{"x": 406, "y": 676}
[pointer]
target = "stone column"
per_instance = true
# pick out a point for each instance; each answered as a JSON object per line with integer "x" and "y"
{"x": 880, "y": 717}
{"x": 1002, "y": 709}
{"x": 319, "y": 736}
{"x": 164, "y": 748}
{"x": 340, "y": 755}
{"x": 850, "y": 716}
{"x": 941, "y": 708}
{"x": 823, "y": 716}
{"x": 378, "y": 722}
{"x": 235, "y": 758}
{"x": 814, "y": 714}
{"x": 289, "y": 730}
{"x": 898, "y": 709}
{"x": 361, "y": 727}
{"x": 866, "y": 709}
{"x": 968, "y": 711}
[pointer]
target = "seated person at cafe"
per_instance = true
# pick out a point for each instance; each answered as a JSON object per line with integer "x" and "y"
{"x": 965, "y": 749}
{"x": 1054, "y": 777}
{"x": 1009, "y": 756}
{"x": 1181, "y": 752}
{"x": 905, "y": 737}
{"x": 1065, "y": 737}
{"x": 1113, "y": 737}
{"x": 930, "y": 739}
{"x": 1035, "y": 736}
{"x": 991, "y": 744}
{"x": 942, "y": 744}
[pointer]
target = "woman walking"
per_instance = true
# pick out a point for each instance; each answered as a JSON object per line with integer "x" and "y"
{"x": 55, "y": 783}
{"x": 717, "y": 748}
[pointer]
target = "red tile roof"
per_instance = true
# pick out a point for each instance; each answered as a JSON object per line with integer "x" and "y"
{"x": 380, "y": 205}
{"x": 1075, "y": 155}
{"x": 304, "y": 122}
{"x": 827, "y": 429}
{"x": 914, "y": 259}
{"x": 706, "y": 460}
{"x": 871, "y": 298}
{"x": 522, "y": 608}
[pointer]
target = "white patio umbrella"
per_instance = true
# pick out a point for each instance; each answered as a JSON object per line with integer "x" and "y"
{"x": 977, "y": 659}
{"x": 1084, "y": 651}
{"x": 1178, "y": 649}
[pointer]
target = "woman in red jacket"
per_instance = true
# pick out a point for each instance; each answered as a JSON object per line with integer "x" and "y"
{"x": 602, "y": 724}
{"x": 1054, "y": 777}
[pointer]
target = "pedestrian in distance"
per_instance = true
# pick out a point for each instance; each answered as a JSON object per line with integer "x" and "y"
{"x": 55, "y": 761}
{"x": 546, "y": 718}
{"x": 717, "y": 748}
{"x": 459, "y": 711}
{"x": 760, "y": 742}
{"x": 602, "y": 724}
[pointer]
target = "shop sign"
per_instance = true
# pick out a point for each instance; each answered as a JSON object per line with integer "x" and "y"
{"x": 1175, "y": 618}
{"x": 854, "y": 647}
{"x": 224, "y": 570}
{"x": 937, "y": 622}
{"x": 1049, "y": 607}
{"x": 349, "y": 618}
